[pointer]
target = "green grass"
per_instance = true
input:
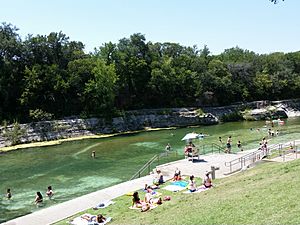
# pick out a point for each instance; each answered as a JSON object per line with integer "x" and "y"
{"x": 266, "y": 194}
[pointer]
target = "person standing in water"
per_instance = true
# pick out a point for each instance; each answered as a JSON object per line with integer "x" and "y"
{"x": 49, "y": 192}
{"x": 239, "y": 145}
{"x": 168, "y": 147}
{"x": 228, "y": 145}
{"x": 38, "y": 198}
{"x": 8, "y": 194}
{"x": 220, "y": 140}
{"x": 93, "y": 154}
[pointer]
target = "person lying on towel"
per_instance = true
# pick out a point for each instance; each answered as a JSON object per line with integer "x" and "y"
{"x": 99, "y": 218}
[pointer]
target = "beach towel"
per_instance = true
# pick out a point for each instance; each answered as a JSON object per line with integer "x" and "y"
{"x": 103, "y": 205}
{"x": 174, "y": 188}
{"x": 177, "y": 186}
{"x": 180, "y": 183}
{"x": 197, "y": 191}
{"x": 80, "y": 221}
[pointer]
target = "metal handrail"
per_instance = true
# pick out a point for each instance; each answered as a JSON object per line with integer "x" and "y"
{"x": 219, "y": 148}
{"x": 142, "y": 169}
{"x": 212, "y": 147}
{"x": 149, "y": 163}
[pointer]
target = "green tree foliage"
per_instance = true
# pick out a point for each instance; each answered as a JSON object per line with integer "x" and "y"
{"x": 49, "y": 76}
{"x": 99, "y": 91}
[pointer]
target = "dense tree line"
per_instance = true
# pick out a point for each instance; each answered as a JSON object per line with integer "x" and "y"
{"x": 49, "y": 76}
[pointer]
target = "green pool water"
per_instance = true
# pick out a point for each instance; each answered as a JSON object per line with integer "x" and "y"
{"x": 72, "y": 172}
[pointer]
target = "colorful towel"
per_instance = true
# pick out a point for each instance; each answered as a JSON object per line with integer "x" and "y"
{"x": 177, "y": 186}
{"x": 174, "y": 188}
{"x": 180, "y": 183}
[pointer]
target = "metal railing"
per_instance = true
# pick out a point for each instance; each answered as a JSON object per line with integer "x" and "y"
{"x": 212, "y": 148}
{"x": 250, "y": 158}
{"x": 285, "y": 149}
{"x": 148, "y": 164}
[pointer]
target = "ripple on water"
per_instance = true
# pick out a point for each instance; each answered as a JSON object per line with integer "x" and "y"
{"x": 154, "y": 145}
{"x": 86, "y": 184}
{"x": 75, "y": 155}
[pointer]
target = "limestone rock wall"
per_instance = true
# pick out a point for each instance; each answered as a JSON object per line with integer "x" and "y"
{"x": 142, "y": 119}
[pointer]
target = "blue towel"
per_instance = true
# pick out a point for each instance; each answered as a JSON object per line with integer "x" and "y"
{"x": 180, "y": 183}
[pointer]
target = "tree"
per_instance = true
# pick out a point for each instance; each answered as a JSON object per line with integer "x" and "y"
{"x": 11, "y": 71}
{"x": 99, "y": 91}
{"x": 133, "y": 69}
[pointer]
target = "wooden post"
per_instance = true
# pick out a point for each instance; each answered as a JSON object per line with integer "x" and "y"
{"x": 213, "y": 172}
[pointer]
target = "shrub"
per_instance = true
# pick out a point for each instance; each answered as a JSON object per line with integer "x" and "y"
{"x": 200, "y": 112}
{"x": 233, "y": 116}
{"x": 14, "y": 133}
{"x": 38, "y": 115}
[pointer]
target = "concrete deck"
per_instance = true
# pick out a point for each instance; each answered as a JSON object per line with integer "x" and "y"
{"x": 63, "y": 210}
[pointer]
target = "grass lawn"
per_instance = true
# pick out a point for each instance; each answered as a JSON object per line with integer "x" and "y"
{"x": 265, "y": 194}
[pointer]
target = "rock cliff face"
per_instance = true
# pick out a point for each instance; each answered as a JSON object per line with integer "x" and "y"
{"x": 140, "y": 120}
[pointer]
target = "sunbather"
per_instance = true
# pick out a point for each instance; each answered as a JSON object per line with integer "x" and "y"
{"x": 137, "y": 203}
{"x": 207, "y": 181}
{"x": 159, "y": 178}
{"x": 192, "y": 184}
{"x": 149, "y": 198}
{"x": 177, "y": 175}
{"x": 152, "y": 187}
{"x": 99, "y": 218}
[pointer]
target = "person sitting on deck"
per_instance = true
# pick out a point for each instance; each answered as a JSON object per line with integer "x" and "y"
{"x": 188, "y": 150}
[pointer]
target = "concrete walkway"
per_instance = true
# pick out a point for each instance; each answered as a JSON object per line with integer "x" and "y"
{"x": 63, "y": 210}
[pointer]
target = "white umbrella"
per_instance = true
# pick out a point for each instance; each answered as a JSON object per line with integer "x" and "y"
{"x": 190, "y": 136}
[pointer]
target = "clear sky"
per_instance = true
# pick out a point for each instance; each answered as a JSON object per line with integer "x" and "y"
{"x": 256, "y": 25}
